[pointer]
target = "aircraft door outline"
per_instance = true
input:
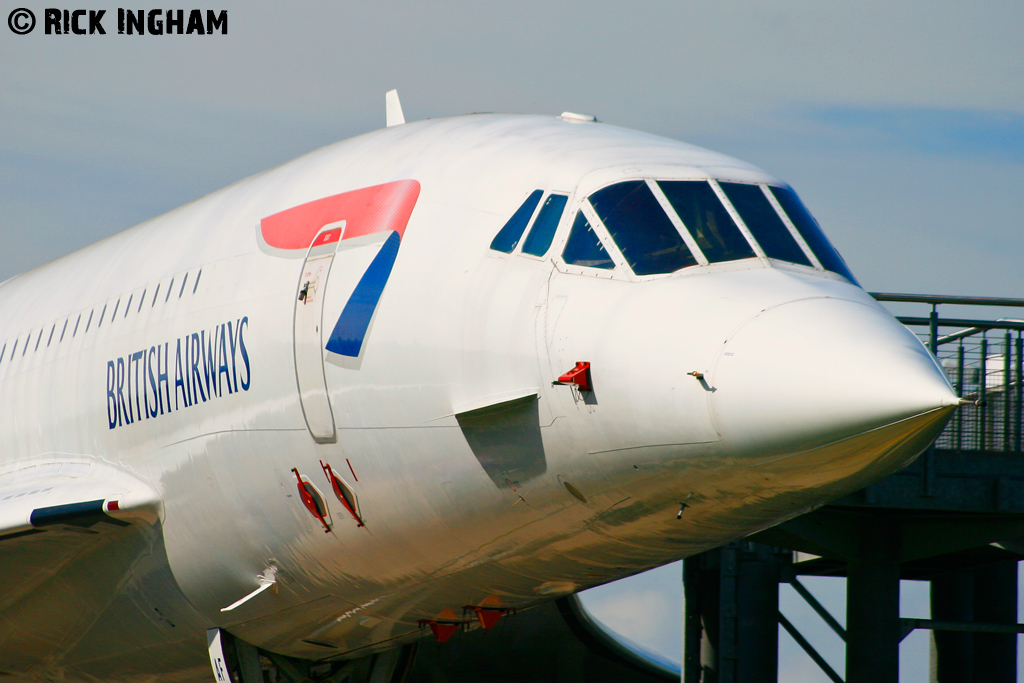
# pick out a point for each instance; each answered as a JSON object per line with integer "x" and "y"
{"x": 308, "y": 337}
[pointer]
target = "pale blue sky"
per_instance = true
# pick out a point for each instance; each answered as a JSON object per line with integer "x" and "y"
{"x": 901, "y": 124}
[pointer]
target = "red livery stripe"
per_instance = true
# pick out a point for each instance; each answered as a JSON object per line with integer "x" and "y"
{"x": 369, "y": 210}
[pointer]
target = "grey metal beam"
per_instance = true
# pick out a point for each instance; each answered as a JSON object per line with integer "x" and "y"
{"x": 809, "y": 649}
{"x": 962, "y": 334}
{"x": 909, "y": 625}
{"x": 962, "y": 322}
{"x": 944, "y": 299}
{"x": 818, "y": 607}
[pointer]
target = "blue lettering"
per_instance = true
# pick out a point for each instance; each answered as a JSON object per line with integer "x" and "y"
{"x": 131, "y": 378}
{"x": 130, "y": 415}
{"x": 208, "y": 350}
{"x": 187, "y": 375}
{"x": 223, "y": 353}
{"x": 234, "y": 344}
{"x": 245, "y": 354}
{"x": 179, "y": 378}
{"x": 122, "y": 412}
{"x": 163, "y": 383}
{"x": 136, "y": 358}
{"x": 145, "y": 386}
{"x": 111, "y": 401}
{"x": 151, "y": 412}
{"x": 196, "y": 378}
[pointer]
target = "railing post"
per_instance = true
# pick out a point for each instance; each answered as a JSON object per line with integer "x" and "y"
{"x": 1017, "y": 392}
{"x": 960, "y": 392}
{"x": 1007, "y": 377}
{"x": 982, "y": 388}
{"x": 928, "y": 462}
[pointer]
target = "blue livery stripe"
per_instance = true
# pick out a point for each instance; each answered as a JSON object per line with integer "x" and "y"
{"x": 350, "y": 330}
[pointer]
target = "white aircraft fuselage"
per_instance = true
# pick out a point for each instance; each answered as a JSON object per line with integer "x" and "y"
{"x": 356, "y": 309}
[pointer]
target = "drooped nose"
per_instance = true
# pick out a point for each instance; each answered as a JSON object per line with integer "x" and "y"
{"x": 815, "y": 371}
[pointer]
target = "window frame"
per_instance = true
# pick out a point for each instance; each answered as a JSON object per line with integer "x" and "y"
{"x": 816, "y": 264}
{"x": 526, "y": 228}
{"x": 578, "y": 201}
{"x": 607, "y": 239}
{"x": 677, "y": 223}
{"x": 597, "y": 225}
{"x": 621, "y": 272}
{"x": 738, "y": 220}
{"x": 533, "y": 220}
{"x": 764, "y": 187}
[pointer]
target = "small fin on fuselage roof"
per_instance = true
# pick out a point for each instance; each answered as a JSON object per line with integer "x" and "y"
{"x": 393, "y": 109}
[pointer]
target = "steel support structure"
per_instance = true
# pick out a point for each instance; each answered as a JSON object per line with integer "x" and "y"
{"x": 732, "y": 607}
{"x": 873, "y": 606}
{"x": 955, "y": 517}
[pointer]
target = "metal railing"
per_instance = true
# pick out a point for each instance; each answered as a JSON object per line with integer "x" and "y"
{"x": 984, "y": 361}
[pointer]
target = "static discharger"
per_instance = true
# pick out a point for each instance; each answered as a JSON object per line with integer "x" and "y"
{"x": 579, "y": 375}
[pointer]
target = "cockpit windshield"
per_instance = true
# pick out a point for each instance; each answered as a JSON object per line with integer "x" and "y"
{"x": 703, "y": 214}
{"x": 809, "y": 229}
{"x": 663, "y": 226}
{"x": 583, "y": 248}
{"x": 752, "y": 204}
{"x": 641, "y": 229}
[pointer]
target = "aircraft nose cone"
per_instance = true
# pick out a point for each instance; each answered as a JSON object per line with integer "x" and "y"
{"x": 814, "y": 371}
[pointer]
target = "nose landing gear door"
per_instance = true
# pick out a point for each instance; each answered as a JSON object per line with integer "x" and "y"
{"x": 308, "y": 334}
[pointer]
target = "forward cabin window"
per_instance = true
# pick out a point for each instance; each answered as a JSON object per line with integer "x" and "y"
{"x": 764, "y": 223}
{"x": 509, "y": 235}
{"x": 641, "y": 229}
{"x": 809, "y": 229}
{"x": 583, "y": 248}
{"x": 707, "y": 220}
{"x": 539, "y": 240}
{"x": 84, "y": 323}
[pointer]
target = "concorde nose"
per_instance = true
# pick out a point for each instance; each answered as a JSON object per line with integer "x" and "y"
{"x": 815, "y": 371}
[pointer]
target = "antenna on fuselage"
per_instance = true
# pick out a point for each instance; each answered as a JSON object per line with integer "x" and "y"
{"x": 393, "y": 109}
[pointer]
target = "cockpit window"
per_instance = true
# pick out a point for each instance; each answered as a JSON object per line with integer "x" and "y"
{"x": 811, "y": 232}
{"x": 543, "y": 230}
{"x": 703, "y": 214}
{"x": 764, "y": 223}
{"x": 584, "y": 248}
{"x": 508, "y": 237}
{"x": 641, "y": 229}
